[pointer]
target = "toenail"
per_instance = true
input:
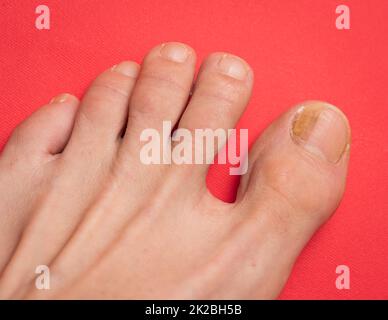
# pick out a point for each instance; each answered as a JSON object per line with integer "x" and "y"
{"x": 233, "y": 67}
{"x": 60, "y": 98}
{"x": 127, "y": 68}
{"x": 174, "y": 52}
{"x": 321, "y": 130}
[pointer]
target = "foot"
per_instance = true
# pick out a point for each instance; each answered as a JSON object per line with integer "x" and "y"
{"x": 76, "y": 197}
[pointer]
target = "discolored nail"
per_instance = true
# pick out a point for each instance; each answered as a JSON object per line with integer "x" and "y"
{"x": 127, "y": 68}
{"x": 175, "y": 52}
{"x": 233, "y": 67}
{"x": 322, "y": 130}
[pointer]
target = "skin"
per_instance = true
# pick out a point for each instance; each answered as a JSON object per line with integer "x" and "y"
{"x": 74, "y": 195}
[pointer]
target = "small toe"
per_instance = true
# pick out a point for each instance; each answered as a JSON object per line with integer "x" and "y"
{"x": 46, "y": 131}
{"x": 103, "y": 110}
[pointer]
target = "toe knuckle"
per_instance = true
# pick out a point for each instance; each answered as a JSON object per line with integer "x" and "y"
{"x": 145, "y": 105}
{"x": 224, "y": 90}
{"x": 302, "y": 192}
{"x": 107, "y": 89}
{"x": 162, "y": 81}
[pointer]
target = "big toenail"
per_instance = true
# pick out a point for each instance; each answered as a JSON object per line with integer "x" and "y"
{"x": 174, "y": 52}
{"x": 127, "y": 68}
{"x": 233, "y": 67}
{"x": 321, "y": 130}
{"x": 60, "y": 98}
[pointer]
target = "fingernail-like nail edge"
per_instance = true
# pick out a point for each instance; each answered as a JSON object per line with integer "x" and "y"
{"x": 126, "y": 68}
{"x": 174, "y": 52}
{"x": 233, "y": 67}
{"x": 60, "y": 98}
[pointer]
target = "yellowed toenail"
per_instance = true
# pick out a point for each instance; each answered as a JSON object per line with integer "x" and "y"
{"x": 322, "y": 130}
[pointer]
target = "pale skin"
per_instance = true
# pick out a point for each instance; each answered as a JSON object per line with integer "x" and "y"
{"x": 74, "y": 195}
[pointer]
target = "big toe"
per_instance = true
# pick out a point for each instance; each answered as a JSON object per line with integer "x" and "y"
{"x": 295, "y": 181}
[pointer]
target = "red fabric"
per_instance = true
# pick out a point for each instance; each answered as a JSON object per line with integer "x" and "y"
{"x": 297, "y": 54}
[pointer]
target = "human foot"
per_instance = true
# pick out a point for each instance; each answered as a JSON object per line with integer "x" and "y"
{"x": 76, "y": 197}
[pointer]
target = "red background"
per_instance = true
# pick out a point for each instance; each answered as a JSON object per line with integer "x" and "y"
{"x": 297, "y": 54}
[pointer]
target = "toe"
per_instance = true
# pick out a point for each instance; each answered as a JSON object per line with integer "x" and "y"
{"x": 103, "y": 111}
{"x": 47, "y": 131}
{"x": 220, "y": 96}
{"x": 162, "y": 89}
{"x": 303, "y": 156}
{"x": 34, "y": 142}
{"x": 295, "y": 182}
